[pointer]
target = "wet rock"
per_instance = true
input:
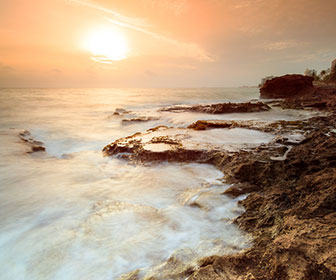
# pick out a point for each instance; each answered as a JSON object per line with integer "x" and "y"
{"x": 239, "y": 189}
{"x": 324, "y": 98}
{"x": 174, "y": 268}
{"x": 120, "y": 112}
{"x": 180, "y": 144}
{"x": 221, "y": 108}
{"x": 208, "y": 124}
{"x": 287, "y": 86}
{"x": 286, "y": 212}
{"x": 139, "y": 119}
{"x": 36, "y": 146}
{"x": 134, "y": 275}
{"x": 290, "y": 210}
{"x": 277, "y": 127}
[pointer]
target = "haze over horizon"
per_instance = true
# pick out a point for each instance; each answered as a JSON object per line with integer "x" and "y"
{"x": 162, "y": 43}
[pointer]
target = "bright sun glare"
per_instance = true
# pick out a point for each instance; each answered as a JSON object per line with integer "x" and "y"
{"x": 106, "y": 45}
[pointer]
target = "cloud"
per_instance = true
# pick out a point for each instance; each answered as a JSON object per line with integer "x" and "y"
{"x": 282, "y": 45}
{"x": 176, "y": 6}
{"x": 122, "y": 18}
{"x": 182, "y": 49}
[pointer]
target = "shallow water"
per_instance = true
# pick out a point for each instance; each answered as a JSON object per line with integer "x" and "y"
{"x": 71, "y": 213}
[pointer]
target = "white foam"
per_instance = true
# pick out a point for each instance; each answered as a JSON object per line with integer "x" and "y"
{"x": 86, "y": 216}
{"x": 228, "y": 139}
{"x": 89, "y": 216}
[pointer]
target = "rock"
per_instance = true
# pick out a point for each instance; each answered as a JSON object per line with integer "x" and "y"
{"x": 291, "y": 207}
{"x": 287, "y": 86}
{"x": 221, "y": 108}
{"x": 290, "y": 212}
{"x": 139, "y": 119}
{"x": 119, "y": 112}
{"x": 178, "y": 145}
{"x": 324, "y": 98}
{"x": 208, "y": 124}
{"x": 36, "y": 146}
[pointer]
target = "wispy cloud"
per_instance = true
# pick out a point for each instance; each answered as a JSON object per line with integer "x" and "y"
{"x": 176, "y": 6}
{"x": 282, "y": 45}
{"x": 118, "y": 16}
{"x": 184, "y": 49}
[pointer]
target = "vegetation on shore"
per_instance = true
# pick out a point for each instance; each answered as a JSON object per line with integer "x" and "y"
{"x": 327, "y": 76}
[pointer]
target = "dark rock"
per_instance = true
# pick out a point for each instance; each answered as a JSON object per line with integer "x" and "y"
{"x": 287, "y": 86}
{"x": 139, "y": 119}
{"x": 221, "y": 108}
{"x": 290, "y": 211}
{"x": 36, "y": 146}
{"x": 38, "y": 149}
{"x": 203, "y": 125}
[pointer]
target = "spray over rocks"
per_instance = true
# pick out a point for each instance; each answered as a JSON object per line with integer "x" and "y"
{"x": 288, "y": 180}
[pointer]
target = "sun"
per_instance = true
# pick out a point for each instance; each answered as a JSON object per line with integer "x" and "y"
{"x": 106, "y": 45}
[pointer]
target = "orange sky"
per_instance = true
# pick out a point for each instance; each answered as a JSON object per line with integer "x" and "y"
{"x": 170, "y": 43}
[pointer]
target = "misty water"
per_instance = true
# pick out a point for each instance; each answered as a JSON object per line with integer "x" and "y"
{"x": 71, "y": 213}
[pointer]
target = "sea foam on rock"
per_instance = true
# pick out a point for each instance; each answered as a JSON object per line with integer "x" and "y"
{"x": 184, "y": 145}
{"x": 291, "y": 201}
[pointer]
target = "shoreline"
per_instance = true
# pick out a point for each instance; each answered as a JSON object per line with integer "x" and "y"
{"x": 290, "y": 188}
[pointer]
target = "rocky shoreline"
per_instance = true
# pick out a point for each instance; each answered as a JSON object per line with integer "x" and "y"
{"x": 290, "y": 209}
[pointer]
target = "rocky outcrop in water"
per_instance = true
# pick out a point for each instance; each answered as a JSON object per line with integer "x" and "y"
{"x": 287, "y": 86}
{"x": 36, "y": 146}
{"x": 291, "y": 205}
{"x": 290, "y": 212}
{"x": 221, "y": 108}
{"x": 290, "y": 209}
{"x": 139, "y": 119}
{"x": 131, "y": 117}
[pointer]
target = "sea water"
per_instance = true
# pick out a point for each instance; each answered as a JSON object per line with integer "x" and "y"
{"x": 71, "y": 213}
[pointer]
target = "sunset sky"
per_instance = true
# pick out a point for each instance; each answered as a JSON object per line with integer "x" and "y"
{"x": 162, "y": 43}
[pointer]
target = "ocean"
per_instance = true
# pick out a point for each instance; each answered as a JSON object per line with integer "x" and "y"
{"x": 72, "y": 213}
